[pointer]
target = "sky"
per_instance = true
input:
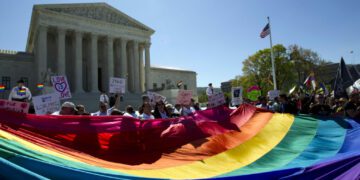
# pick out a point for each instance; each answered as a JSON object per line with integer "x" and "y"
{"x": 214, "y": 37}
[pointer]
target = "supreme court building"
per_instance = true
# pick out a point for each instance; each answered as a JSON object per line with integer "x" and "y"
{"x": 88, "y": 43}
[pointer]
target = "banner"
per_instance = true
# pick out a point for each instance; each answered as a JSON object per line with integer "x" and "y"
{"x": 215, "y": 100}
{"x": 22, "y": 107}
{"x": 184, "y": 97}
{"x": 61, "y": 87}
{"x": 117, "y": 85}
{"x": 155, "y": 97}
{"x": 236, "y": 95}
{"x": 46, "y": 104}
{"x": 273, "y": 94}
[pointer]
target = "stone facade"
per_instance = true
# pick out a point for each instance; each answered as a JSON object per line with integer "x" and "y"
{"x": 88, "y": 43}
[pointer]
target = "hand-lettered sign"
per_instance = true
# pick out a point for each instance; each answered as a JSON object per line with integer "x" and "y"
{"x": 16, "y": 106}
{"x": 184, "y": 97}
{"x": 117, "y": 85}
{"x": 46, "y": 104}
{"x": 61, "y": 86}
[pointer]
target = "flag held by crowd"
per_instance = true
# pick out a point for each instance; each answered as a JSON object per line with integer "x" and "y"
{"x": 310, "y": 81}
{"x": 342, "y": 81}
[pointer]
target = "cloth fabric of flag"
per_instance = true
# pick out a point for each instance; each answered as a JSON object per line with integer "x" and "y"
{"x": 246, "y": 143}
{"x": 323, "y": 89}
{"x": 310, "y": 81}
{"x": 355, "y": 74}
{"x": 342, "y": 81}
{"x": 2, "y": 88}
{"x": 21, "y": 91}
{"x": 266, "y": 31}
{"x": 40, "y": 86}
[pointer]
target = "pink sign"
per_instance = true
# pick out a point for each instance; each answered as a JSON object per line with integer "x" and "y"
{"x": 216, "y": 100}
{"x": 61, "y": 86}
{"x": 22, "y": 107}
{"x": 184, "y": 97}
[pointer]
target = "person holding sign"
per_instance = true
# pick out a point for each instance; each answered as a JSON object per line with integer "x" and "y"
{"x": 209, "y": 90}
{"x": 20, "y": 93}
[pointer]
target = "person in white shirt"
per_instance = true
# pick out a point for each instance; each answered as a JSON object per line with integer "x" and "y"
{"x": 187, "y": 110}
{"x": 130, "y": 112}
{"x": 67, "y": 108}
{"x": 102, "y": 110}
{"x": 209, "y": 90}
{"x": 104, "y": 98}
{"x": 20, "y": 93}
{"x": 146, "y": 107}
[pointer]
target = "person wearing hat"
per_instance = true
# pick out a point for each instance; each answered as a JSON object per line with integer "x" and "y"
{"x": 20, "y": 93}
{"x": 67, "y": 108}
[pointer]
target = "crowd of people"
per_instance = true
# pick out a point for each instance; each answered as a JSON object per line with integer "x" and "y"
{"x": 146, "y": 111}
{"x": 315, "y": 104}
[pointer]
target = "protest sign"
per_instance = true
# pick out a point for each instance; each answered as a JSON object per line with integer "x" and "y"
{"x": 236, "y": 95}
{"x": 61, "y": 86}
{"x": 253, "y": 93}
{"x": 22, "y": 107}
{"x": 216, "y": 100}
{"x": 155, "y": 97}
{"x": 273, "y": 94}
{"x": 184, "y": 97}
{"x": 117, "y": 85}
{"x": 46, "y": 104}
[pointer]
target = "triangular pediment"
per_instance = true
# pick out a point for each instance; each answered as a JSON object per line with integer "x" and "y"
{"x": 97, "y": 11}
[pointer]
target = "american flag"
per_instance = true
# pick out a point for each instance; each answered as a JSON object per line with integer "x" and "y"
{"x": 265, "y": 31}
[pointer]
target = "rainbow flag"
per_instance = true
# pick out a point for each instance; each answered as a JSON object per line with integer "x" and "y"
{"x": 2, "y": 88}
{"x": 21, "y": 91}
{"x": 40, "y": 86}
{"x": 246, "y": 143}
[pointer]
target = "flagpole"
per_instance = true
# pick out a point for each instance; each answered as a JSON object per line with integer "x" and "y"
{"x": 272, "y": 57}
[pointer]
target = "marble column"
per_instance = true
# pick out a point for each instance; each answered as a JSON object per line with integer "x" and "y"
{"x": 136, "y": 67}
{"x": 94, "y": 64}
{"x": 41, "y": 53}
{"x": 117, "y": 60}
{"x": 142, "y": 76}
{"x": 78, "y": 88}
{"x": 147, "y": 66}
{"x": 61, "y": 51}
{"x": 123, "y": 62}
{"x": 110, "y": 61}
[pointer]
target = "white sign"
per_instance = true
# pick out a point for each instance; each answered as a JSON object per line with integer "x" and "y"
{"x": 61, "y": 86}
{"x": 117, "y": 85}
{"x": 236, "y": 95}
{"x": 216, "y": 100}
{"x": 273, "y": 94}
{"x": 155, "y": 97}
{"x": 46, "y": 104}
{"x": 184, "y": 97}
{"x": 22, "y": 107}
